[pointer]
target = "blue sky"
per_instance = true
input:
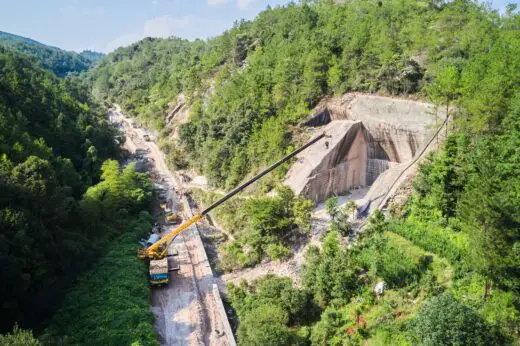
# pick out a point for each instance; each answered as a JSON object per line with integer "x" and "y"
{"x": 104, "y": 25}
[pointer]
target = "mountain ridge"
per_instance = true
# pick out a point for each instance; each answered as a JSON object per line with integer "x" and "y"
{"x": 61, "y": 62}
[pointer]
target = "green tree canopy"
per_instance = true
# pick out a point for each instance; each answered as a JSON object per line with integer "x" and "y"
{"x": 445, "y": 321}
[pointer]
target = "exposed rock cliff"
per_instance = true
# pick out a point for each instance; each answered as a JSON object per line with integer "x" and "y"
{"x": 368, "y": 135}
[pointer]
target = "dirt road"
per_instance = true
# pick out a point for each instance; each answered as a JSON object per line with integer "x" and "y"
{"x": 186, "y": 311}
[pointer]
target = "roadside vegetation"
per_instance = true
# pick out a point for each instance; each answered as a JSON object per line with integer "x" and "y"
{"x": 63, "y": 203}
{"x": 110, "y": 303}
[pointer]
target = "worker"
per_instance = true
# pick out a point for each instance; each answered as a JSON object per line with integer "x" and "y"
{"x": 379, "y": 290}
{"x": 326, "y": 144}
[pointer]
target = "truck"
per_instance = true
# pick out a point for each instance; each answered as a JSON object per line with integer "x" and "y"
{"x": 172, "y": 218}
{"x": 159, "y": 272}
{"x": 157, "y": 253}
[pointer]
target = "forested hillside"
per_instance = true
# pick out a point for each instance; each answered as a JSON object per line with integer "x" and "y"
{"x": 247, "y": 86}
{"x": 61, "y": 62}
{"x": 450, "y": 255}
{"x": 62, "y": 201}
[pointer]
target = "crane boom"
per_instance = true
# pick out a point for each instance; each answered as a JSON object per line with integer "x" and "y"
{"x": 156, "y": 250}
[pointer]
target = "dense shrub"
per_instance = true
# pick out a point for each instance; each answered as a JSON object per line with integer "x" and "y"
{"x": 445, "y": 321}
{"x": 266, "y": 308}
{"x": 18, "y": 337}
{"x": 261, "y": 226}
{"x": 431, "y": 237}
{"x": 331, "y": 274}
{"x": 266, "y": 325}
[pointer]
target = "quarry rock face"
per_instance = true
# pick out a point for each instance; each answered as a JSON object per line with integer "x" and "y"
{"x": 368, "y": 135}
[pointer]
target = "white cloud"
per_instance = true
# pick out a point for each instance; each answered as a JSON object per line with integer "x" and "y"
{"x": 121, "y": 41}
{"x": 189, "y": 27}
{"x": 245, "y": 3}
{"x": 165, "y": 26}
{"x": 217, "y": 2}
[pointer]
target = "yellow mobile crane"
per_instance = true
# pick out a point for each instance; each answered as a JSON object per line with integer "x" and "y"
{"x": 158, "y": 251}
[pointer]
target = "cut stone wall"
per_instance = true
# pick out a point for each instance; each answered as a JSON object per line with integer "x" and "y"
{"x": 368, "y": 135}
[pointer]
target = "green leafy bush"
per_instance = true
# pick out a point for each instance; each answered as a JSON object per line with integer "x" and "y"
{"x": 445, "y": 321}
{"x": 330, "y": 329}
{"x": 261, "y": 226}
{"x": 18, "y": 337}
{"x": 382, "y": 258}
{"x": 331, "y": 274}
{"x": 266, "y": 309}
{"x": 265, "y": 325}
{"x": 278, "y": 251}
{"x": 446, "y": 243}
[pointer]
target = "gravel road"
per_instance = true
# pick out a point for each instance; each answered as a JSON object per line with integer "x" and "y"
{"x": 186, "y": 310}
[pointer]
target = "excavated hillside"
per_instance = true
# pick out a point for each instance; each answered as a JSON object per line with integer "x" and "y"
{"x": 372, "y": 140}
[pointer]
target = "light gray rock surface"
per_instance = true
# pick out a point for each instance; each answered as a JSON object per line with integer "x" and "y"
{"x": 368, "y": 136}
